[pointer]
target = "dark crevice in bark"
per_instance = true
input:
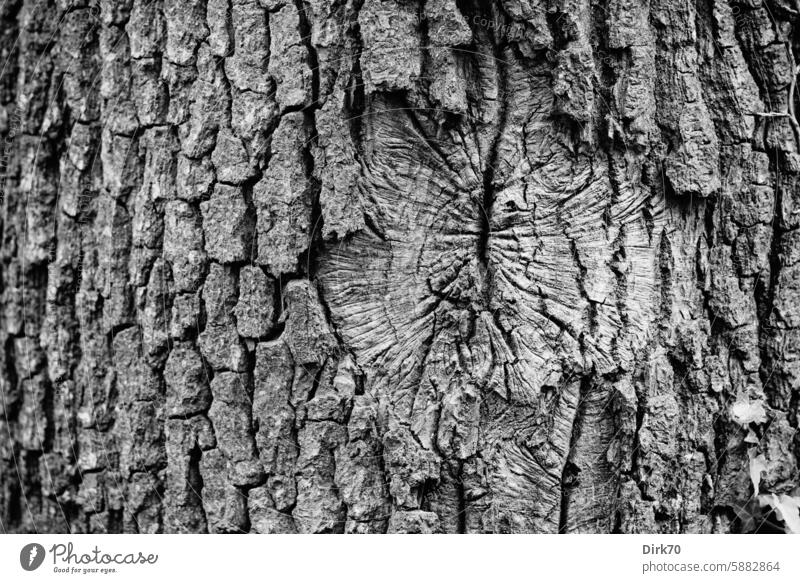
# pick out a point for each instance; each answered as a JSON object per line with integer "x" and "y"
{"x": 665, "y": 278}
{"x": 581, "y": 277}
{"x": 617, "y": 526}
{"x": 569, "y": 478}
{"x": 620, "y": 258}
{"x": 559, "y": 35}
{"x": 768, "y": 318}
{"x": 461, "y": 506}
{"x": 115, "y": 520}
{"x": 316, "y": 381}
{"x": 489, "y": 187}
{"x": 775, "y": 247}
{"x": 424, "y": 491}
{"x": 11, "y": 399}
{"x": 374, "y": 227}
{"x": 570, "y": 474}
{"x": 355, "y": 101}
{"x": 48, "y": 406}
{"x": 637, "y": 471}
{"x": 486, "y": 205}
{"x": 309, "y": 259}
{"x": 710, "y": 239}
{"x": 720, "y": 445}
{"x": 311, "y": 51}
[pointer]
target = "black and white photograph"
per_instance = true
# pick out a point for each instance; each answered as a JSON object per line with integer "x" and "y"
{"x": 386, "y": 267}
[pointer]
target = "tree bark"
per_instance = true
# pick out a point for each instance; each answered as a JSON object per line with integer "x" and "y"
{"x": 376, "y": 266}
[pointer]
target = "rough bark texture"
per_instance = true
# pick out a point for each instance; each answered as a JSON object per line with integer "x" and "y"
{"x": 399, "y": 266}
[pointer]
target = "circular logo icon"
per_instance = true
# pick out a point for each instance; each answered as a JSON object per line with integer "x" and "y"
{"x": 31, "y": 556}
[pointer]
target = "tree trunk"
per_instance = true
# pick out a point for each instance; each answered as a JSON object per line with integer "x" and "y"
{"x": 399, "y": 266}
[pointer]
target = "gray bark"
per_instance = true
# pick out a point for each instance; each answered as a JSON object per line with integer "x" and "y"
{"x": 375, "y": 266}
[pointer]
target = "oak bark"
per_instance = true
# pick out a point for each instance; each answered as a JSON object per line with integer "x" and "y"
{"x": 375, "y": 266}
